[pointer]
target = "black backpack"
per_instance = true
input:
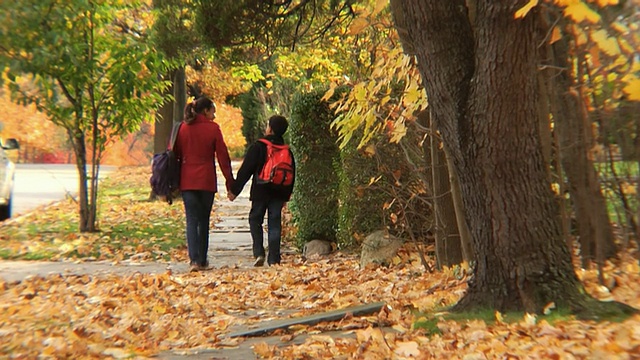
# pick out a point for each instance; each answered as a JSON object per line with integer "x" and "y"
{"x": 165, "y": 170}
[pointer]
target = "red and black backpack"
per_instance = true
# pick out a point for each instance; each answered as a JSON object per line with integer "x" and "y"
{"x": 278, "y": 166}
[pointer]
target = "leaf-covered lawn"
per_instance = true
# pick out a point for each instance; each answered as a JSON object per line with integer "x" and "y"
{"x": 140, "y": 315}
{"x": 130, "y": 225}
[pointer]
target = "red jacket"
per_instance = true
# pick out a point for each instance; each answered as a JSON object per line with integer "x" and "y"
{"x": 195, "y": 146}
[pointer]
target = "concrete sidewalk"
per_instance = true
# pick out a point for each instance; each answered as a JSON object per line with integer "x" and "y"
{"x": 229, "y": 245}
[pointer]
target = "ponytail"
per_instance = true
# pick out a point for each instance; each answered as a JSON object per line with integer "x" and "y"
{"x": 197, "y": 107}
{"x": 189, "y": 112}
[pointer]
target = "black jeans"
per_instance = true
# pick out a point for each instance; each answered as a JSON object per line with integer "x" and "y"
{"x": 197, "y": 206}
{"x": 274, "y": 226}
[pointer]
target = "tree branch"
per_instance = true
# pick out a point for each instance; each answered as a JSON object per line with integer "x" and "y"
{"x": 66, "y": 92}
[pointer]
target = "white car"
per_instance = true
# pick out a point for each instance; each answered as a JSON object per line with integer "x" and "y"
{"x": 7, "y": 171}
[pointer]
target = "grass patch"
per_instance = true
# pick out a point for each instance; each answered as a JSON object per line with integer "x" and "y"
{"x": 621, "y": 168}
{"x": 130, "y": 226}
{"x": 626, "y": 175}
{"x": 429, "y": 321}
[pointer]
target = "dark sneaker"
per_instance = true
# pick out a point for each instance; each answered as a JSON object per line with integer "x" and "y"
{"x": 259, "y": 261}
{"x": 194, "y": 268}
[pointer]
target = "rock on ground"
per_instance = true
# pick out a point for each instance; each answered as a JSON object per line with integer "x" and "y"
{"x": 379, "y": 248}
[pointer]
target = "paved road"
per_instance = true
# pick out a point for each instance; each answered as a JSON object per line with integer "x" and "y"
{"x": 41, "y": 184}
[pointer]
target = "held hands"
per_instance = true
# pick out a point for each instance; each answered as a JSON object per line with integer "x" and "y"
{"x": 230, "y": 195}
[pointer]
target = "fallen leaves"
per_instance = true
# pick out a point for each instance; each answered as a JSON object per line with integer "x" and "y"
{"x": 141, "y": 315}
{"x": 145, "y": 314}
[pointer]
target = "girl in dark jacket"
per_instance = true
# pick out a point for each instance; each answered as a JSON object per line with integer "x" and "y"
{"x": 265, "y": 198}
{"x": 199, "y": 141}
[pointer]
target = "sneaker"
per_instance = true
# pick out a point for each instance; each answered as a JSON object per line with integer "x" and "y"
{"x": 259, "y": 261}
{"x": 194, "y": 268}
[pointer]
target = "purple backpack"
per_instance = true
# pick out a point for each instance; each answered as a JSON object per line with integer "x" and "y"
{"x": 165, "y": 170}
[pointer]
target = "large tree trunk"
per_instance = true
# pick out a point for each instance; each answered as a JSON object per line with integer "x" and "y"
{"x": 163, "y": 126}
{"x": 179, "y": 94}
{"x": 483, "y": 97}
{"x": 164, "y": 123}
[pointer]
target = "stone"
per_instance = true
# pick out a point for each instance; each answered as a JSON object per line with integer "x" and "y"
{"x": 317, "y": 248}
{"x": 379, "y": 248}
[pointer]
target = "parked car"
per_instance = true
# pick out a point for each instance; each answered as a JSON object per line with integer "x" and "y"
{"x": 7, "y": 172}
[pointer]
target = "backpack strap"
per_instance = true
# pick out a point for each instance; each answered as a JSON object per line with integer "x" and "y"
{"x": 265, "y": 141}
{"x": 269, "y": 143}
{"x": 174, "y": 134}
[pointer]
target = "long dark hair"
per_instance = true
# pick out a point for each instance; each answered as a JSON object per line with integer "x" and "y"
{"x": 197, "y": 107}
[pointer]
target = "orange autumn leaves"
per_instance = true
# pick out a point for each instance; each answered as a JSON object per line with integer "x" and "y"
{"x": 134, "y": 148}
{"x": 142, "y": 315}
{"x": 42, "y": 141}
{"x": 35, "y": 133}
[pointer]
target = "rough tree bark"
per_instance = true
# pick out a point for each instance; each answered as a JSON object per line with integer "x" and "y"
{"x": 163, "y": 124}
{"x": 179, "y": 94}
{"x": 482, "y": 89}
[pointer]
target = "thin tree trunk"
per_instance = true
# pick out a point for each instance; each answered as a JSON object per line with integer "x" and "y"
{"x": 81, "y": 165}
{"x": 463, "y": 229}
{"x": 447, "y": 239}
{"x": 635, "y": 108}
{"x": 573, "y": 132}
{"x": 163, "y": 126}
{"x": 565, "y": 214}
{"x": 448, "y": 246}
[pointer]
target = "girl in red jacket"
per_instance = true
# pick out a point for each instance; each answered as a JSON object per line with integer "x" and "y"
{"x": 199, "y": 140}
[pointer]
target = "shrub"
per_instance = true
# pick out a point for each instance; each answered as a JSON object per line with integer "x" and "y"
{"x": 253, "y": 118}
{"x": 361, "y": 193}
{"x": 315, "y": 198}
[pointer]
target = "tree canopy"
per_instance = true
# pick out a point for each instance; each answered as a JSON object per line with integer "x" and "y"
{"x": 88, "y": 73}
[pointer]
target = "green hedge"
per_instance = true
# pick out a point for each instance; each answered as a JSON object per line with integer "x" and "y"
{"x": 361, "y": 200}
{"x": 314, "y": 204}
{"x": 253, "y": 119}
{"x": 406, "y": 173}
{"x": 333, "y": 198}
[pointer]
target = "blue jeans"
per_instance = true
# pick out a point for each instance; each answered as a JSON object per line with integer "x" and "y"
{"x": 197, "y": 206}
{"x": 274, "y": 225}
